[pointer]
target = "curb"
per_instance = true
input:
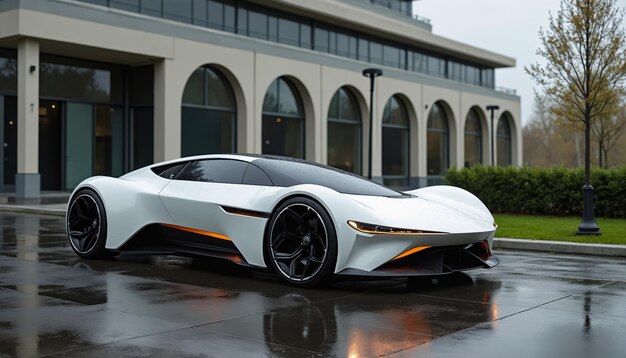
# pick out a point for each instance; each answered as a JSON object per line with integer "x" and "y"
{"x": 562, "y": 247}
{"x": 24, "y": 209}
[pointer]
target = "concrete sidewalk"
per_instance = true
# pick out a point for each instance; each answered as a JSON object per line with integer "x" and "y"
{"x": 55, "y": 204}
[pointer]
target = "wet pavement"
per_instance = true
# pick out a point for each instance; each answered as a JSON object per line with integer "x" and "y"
{"x": 533, "y": 305}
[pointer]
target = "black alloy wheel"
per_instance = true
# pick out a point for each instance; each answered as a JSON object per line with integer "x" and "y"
{"x": 301, "y": 243}
{"x": 86, "y": 225}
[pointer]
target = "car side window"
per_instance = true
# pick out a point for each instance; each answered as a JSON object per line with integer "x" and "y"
{"x": 255, "y": 176}
{"x": 169, "y": 171}
{"x": 214, "y": 171}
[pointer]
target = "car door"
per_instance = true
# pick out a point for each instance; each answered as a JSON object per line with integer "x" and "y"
{"x": 196, "y": 196}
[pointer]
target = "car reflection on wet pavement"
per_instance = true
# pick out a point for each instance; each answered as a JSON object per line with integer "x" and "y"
{"x": 533, "y": 305}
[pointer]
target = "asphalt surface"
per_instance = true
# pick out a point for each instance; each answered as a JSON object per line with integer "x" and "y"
{"x": 533, "y": 305}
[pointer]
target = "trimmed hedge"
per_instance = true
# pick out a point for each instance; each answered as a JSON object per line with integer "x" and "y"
{"x": 543, "y": 191}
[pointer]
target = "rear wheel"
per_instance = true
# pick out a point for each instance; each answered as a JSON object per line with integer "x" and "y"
{"x": 301, "y": 243}
{"x": 87, "y": 225}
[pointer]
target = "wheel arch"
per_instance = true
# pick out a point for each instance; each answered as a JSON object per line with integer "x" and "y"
{"x": 280, "y": 202}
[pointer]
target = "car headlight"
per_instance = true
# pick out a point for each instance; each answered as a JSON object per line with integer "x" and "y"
{"x": 379, "y": 229}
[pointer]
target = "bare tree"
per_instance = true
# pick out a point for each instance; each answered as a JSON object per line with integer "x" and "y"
{"x": 584, "y": 74}
{"x": 606, "y": 131}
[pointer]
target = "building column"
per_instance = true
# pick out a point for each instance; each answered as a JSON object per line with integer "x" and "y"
{"x": 27, "y": 179}
{"x": 167, "y": 112}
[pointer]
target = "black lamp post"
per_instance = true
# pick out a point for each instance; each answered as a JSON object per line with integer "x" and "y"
{"x": 371, "y": 73}
{"x": 492, "y": 108}
{"x": 588, "y": 226}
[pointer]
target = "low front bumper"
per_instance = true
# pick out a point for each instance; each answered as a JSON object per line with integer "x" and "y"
{"x": 431, "y": 262}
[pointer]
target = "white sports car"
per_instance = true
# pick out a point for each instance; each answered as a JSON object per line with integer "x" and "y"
{"x": 306, "y": 221}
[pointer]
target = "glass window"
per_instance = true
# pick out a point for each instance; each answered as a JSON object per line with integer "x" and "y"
{"x": 218, "y": 91}
{"x": 208, "y": 114}
{"x": 344, "y": 132}
{"x": 352, "y": 47}
{"x": 109, "y": 141}
{"x": 473, "y": 138}
{"x": 363, "y": 50}
{"x": 436, "y": 66}
{"x": 391, "y": 56}
{"x": 229, "y": 16}
{"x": 177, "y": 10}
{"x": 214, "y": 171}
{"x": 242, "y": 21}
{"x": 288, "y": 32}
{"x": 282, "y": 98}
{"x": 321, "y": 40}
{"x": 207, "y": 131}
{"x": 283, "y": 120}
{"x": 343, "y": 45}
{"x": 78, "y": 82}
{"x": 200, "y": 13}
{"x": 395, "y": 144}
{"x": 169, "y": 171}
{"x": 257, "y": 25}
{"x": 194, "y": 89}
{"x": 454, "y": 71}
{"x": 142, "y": 125}
{"x": 216, "y": 14}
{"x": 376, "y": 53}
{"x": 272, "y": 26}
{"x": 127, "y": 5}
{"x": 8, "y": 75}
{"x": 437, "y": 141}
{"x": 305, "y": 35}
{"x": 256, "y": 176}
{"x": 417, "y": 62}
{"x": 504, "y": 141}
{"x": 488, "y": 77}
{"x": 97, "y": 2}
{"x": 142, "y": 85}
{"x": 472, "y": 75}
{"x": 151, "y": 7}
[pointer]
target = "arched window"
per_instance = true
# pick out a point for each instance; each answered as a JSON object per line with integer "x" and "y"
{"x": 208, "y": 114}
{"x": 283, "y": 120}
{"x": 437, "y": 141}
{"x": 473, "y": 138}
{"x": 503, "y": 141}
{"x": 344, "y": 132}
{"x": 395, "y": 144}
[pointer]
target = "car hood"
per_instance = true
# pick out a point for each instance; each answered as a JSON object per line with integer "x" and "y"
{"x": 428, "y": 211}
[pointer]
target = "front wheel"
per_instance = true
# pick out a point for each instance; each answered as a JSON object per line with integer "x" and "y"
{"x": 301, "y": 243}
{"x": 87, "y": 225}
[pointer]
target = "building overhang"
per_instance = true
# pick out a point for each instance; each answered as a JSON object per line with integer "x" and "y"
{"x": 363, "y": 19}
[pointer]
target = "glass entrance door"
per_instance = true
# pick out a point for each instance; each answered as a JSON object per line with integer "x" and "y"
{"x": 8, "y": 140}
{"x": 50, "y": 119}
{"x": 79, "y": 148}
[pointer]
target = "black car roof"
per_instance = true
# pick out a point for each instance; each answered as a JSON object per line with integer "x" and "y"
{"x": 286, "y": 172}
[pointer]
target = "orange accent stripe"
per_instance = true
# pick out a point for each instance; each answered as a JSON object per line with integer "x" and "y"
{"x": 199, "y": 232}
{"x": 412, "y": 251}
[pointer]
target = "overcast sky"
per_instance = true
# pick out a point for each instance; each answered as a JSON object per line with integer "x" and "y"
{"x": 507, "y": 27}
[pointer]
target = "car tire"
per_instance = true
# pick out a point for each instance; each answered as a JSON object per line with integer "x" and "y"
{"x": 301, "y": 243}
{"x": 86, "y": 225}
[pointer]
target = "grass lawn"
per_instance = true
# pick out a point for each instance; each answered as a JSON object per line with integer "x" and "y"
{"x": 558, "y": 228}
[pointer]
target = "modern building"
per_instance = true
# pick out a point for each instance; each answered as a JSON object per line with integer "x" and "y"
{"x": 100, "y": 87}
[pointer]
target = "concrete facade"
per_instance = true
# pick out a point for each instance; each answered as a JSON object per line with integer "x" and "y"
{"x": 79, "y": 30}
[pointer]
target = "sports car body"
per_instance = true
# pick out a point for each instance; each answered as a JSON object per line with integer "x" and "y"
{"x": 306, "y": 221}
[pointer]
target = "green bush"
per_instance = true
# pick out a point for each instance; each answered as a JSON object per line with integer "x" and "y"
{"x": 543, "y": 191}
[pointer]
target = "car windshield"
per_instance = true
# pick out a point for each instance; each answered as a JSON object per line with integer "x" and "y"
{"x": 288, "y": 172}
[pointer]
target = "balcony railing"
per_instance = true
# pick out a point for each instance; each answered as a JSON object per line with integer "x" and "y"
{"x": 510, "y": 91}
